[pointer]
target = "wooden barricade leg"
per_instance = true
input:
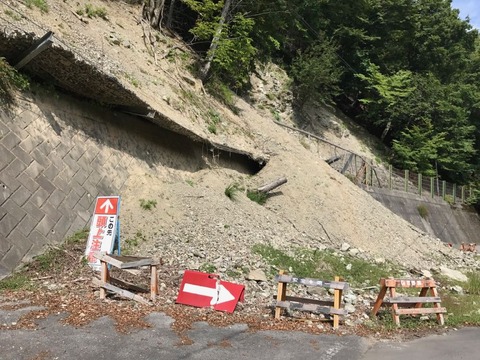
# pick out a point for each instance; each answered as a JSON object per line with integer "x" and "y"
{"x": 281, "y": 295}
{"x": 104, "y": 277}
{"x": 396, "y": 317}
{"x": 380, "y": 297}
{"x": 434, "y": 292}
{"x": 337, "y": 300}
{"x": 153, "y": 282}
{"x": 423, "y": 293}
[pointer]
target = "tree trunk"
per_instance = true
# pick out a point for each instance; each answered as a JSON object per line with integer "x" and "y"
{"x": 213, "y": 46}
{"x": 386, "y": 130}
{"x": 273, "y": 185}
{"x": 170, "y": 14}
{"x": 153, "y": 12}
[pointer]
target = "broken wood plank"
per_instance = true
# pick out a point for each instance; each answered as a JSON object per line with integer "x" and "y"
{"x": 128, "y": 286}
{"x": 125, "y": 262}
{"x": 310, "y": 307}
{"x": 333, "y": 159}
{"x": 120, "y": 292}
{"x": 411, "y": 300}
{"x": 306, "y": 301}
{"x": 421, "y": 311}
{"x": 312, "y": 282}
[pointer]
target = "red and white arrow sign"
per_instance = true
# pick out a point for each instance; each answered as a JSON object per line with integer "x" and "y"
{"x": 205, "y": 290}
{"x": 219, "y": 294}
{"x": 107, "y": 205}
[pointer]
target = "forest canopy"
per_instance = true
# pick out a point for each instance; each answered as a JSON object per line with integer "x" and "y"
{"x": 411, "y": 66}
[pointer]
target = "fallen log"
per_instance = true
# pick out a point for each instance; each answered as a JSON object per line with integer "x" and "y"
{"x": 270, "y": 186}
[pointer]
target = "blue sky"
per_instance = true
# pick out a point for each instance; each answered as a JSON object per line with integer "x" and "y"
{"x": 469, "y": 8}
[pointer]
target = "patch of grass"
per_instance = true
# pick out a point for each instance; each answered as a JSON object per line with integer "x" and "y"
{"x": 79, "y": 237}
{"x": 212, "y": 128}
{"x": 231, "y": 191}
{"x": 10, "y": 80}
{"x": 52, "y": 258}
{"x": 132, "y": 79}
{"x": 40, "y": 4}
{"x": 13, "y": 15}
{"x": 132, "y": 243}
{"x": 93, "y": 11}
{"x": 276, "y": 114}
{"x": 213, "y": 121}
{"x": 462, "y": 309}
{"x": 422, "y": 211}
{"x": 16, "y": 281}
{"x": 325, "y": 265}
{"x": 208, "y": 268}
{"x": 148, "y": 204}
{"x": 190, "y": 182}
{"x": 257, "y": 196}
{"x": 223, "y": 93}
{"x": 473, "y": 284}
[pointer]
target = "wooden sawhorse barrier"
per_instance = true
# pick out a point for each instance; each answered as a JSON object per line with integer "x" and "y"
{"x": 409, "y": 305}
{"x": 311, "y": 305}
{"x": 128, "y": 263}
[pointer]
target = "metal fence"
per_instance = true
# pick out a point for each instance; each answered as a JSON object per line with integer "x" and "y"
{"x": 362, "y": 171}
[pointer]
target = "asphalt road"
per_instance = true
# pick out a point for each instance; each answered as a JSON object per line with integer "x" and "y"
{"x": 100, "y": 340}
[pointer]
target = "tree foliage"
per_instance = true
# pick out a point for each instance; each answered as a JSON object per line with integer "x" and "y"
{"x": 413, "y": 64}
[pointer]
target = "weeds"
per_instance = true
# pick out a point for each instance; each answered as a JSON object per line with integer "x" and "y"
{"x": 40, "y": 4}
{"x": 214, "y": 120}
{"x": 257, "y": 196}
{"x": 14, "y": 16}
{"x": 148, "y": 204}
{"x": 208, "y": 268}
{"x": 231, "y": 191}
{"x": 10, "y": 80}
{"x": 132, "y": 243}
{"x": 324, "y": 265}
{"x": 422, "y": 211}
{"x": 15, "y": 282}
{"x": 93, "y": 12}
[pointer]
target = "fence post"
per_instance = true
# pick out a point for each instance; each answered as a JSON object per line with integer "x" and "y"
{"x": 432, "y": 187}
{"x": 444, "y": 185}
{"x": 420, "y": 184}
{"x": 454, "y": 193}
{"x": 463, "y": 194}
{"x": 406, "y": 180}
{"x": 390, "y": 177}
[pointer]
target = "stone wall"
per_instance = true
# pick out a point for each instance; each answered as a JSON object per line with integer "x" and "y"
{"x": 57, "y": 154}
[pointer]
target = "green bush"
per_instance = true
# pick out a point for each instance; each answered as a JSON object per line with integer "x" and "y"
{"x": 93, "y": 12}
{"x": 257, "y": 196}
{"x": 10, "y": 80}
{"x": 231, "y": 191}
{"x": 148, "y": 204}
{"x": 422, "y": 211}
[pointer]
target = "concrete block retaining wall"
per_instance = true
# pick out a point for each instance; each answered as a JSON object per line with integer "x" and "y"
{"x": 57, "y": 155}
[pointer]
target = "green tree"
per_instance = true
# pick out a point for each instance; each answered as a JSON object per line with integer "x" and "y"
{"x": 317, "y": 72}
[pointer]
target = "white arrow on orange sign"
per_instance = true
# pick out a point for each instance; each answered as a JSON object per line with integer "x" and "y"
{"x": 107, "y": 205}
{"x": 219, "y": 294}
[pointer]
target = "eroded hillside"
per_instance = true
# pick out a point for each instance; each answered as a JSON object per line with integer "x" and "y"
{"x": 194, "y": 223}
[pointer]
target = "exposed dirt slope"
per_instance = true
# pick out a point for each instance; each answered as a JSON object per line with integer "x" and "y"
{"x": 194, "y": 223}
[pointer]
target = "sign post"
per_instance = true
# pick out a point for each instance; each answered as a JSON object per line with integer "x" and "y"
{"x": 104, "y": 230}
